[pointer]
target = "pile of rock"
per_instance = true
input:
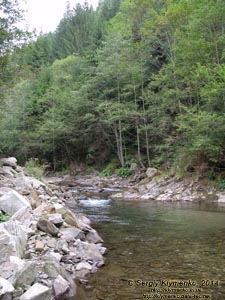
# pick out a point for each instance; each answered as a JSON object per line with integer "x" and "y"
{"x": 44, "y": 246}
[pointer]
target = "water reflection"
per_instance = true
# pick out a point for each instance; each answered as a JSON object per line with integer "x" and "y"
{"x": 156, "y": 241}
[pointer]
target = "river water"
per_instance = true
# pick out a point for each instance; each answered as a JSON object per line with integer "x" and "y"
{"x": 157, "y": 250}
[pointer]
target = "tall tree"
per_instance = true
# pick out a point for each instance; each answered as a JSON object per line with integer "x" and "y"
{"x": 10, "y": 33}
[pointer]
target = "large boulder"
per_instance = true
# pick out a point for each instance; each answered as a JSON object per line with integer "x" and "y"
{"x": 12, "y": 201}
{"x": 13, "y": 240}
{"x": 68, "y": 216}
{"x": 37, "y": 292}
{"x": 48, "y": 227}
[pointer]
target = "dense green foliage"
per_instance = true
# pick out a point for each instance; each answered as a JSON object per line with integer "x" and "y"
{"x": 11, "y": 36}
{"x": 140, "y": 80}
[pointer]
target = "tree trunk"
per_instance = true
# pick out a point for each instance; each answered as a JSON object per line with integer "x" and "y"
{"x": 137, "y": 127}
{"x": 145, "y": 121}
{"x": 120, "y": 136}
{"x": 118, "y": 144}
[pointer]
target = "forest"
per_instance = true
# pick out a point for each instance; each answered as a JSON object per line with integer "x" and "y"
{"x": 133, "y": 81}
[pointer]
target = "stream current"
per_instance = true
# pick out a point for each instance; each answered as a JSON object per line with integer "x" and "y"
{"x": 157, "y": 250}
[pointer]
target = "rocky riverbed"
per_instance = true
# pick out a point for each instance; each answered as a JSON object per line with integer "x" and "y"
{"x": 44, "y": 246}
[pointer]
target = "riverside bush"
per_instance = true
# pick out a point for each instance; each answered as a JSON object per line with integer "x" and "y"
{"x": 105, "y": 173}
{"x": 34, "y": 168}
{"x": 124, "y": 172}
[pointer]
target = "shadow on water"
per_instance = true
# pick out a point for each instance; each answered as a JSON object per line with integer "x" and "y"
{"x": 157, "y": 241}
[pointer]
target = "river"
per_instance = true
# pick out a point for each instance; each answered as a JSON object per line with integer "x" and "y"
{"x": 157, "y": 250}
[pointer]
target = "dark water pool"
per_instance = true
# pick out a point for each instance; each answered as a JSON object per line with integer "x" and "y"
{"x": 157, "y": 250}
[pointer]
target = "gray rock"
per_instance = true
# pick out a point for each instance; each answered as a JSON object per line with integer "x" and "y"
{"x": 10, "y": 161}
{"x": 56, "y": 219}
{"x": 7, "y": 269}
{"x": 6, "y": 288}
{"x": 48, "y": 227}
{"x": 56, "y": 255}
{"x": 65, "y": 249}
{"x": 12, "y": 202}
{"x": 71, "y": 233}
{"x": 24, "y": 274}
{"x": 93, "y": 237}
{"x": 68, "y": 216}
{"x": 51, "y": 267}
{"x": 51, "y": 243}
{"x": 23, "y": 215}
{"x": 151, "y": 172}
{"x": 19, "y": 181}
{"x": 60, "y": 287}
{"x": 83, "y": 265}
{"x": 83, "y": 220}
{"x": 7, "y": 171}
{"x": 59, "y": 208}
{"x": 62, "y": 245}
{"x": 37, "y": 292}
{"x": 4, "y": 190}
{"x": 33, "y": 183}
{"x": 13, "y": 240}
{"x": 89, "y": 251}
{"x": 102, "y": 250}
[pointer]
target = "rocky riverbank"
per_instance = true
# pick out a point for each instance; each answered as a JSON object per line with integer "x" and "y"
{"x": 44, "y": 246}
{"x": 155, "y": 186}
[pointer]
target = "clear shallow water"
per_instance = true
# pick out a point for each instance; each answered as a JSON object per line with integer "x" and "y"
{"x": 154, "y": 241}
